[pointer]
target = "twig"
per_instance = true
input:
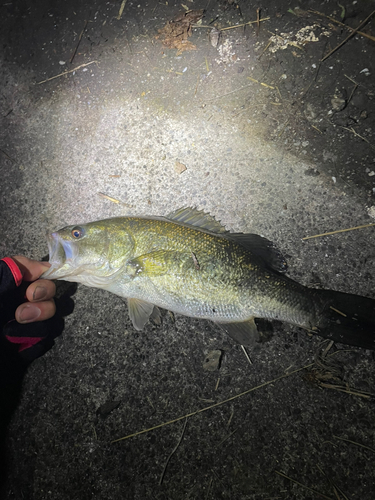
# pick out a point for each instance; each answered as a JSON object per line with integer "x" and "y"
{"x": 342, "y": 24}
{"x": 260, "y": 83}
{"x": 354, "y": 442}
{"x": 227, "y": 437}
{"x": 316, "y": 128}
{"x": 258, "y": 24}
{"x": 5, "y": 154}
{"x": 363, "y": 138}
{"x": 230, "y": 418}
{"x": 79, "y": 41}
{"x": 338, "y": 231}
{"x": 216, "y": 404}
{"x": 334, "y": 486}
{"x": 231, "y": 27}
{"x": 354, "y": 32}
{"x": 342, "y": 388}
{"x": 173, "y": 451}
{"x": 121, "y": 9}
{"x": 240, "y": 25}
{"x": 303, "y": 485}
{"x": 114, "y": 200}
{"x": 268, "y": 44}
{"x": 209, "y": 488}
{"x": 66, "y": 72}
{"x": 337, "y": 311}
{"x": 246, "y": 355}
{"x": 352, "y": 92}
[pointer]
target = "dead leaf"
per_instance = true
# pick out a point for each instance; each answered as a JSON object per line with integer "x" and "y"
{"x": 179, "y": 167}
{"x": 175, "y": 33}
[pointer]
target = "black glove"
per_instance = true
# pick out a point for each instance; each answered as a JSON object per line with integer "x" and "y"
{"x": 20, "y": 343}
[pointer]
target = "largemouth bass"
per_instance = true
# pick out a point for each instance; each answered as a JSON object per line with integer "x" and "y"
{"x": 190, "y": 264}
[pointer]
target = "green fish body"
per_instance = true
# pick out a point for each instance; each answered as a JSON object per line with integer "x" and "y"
{"x": 189, "y": 264}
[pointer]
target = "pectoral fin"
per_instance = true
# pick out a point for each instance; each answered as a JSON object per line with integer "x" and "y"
{"x": 152, "y": 264}
{"x": 160, "y": 262}
{"x": 139, "y": 312}
{"x": 242, "y": 332}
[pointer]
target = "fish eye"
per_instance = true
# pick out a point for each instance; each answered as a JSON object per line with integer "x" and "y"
{"x": 78, "y": 232}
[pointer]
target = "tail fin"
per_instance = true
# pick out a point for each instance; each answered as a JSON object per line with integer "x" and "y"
{"x": 348, "y": 318}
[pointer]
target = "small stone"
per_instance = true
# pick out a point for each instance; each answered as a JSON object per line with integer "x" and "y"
{"x": 212, "y": 360}
{"x": 338, "y": 103}
{"x": 214, "y": 37}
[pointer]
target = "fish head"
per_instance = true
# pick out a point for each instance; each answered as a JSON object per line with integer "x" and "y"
{"x": 92, "y": 253}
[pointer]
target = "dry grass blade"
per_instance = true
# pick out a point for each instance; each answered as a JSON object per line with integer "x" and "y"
{"x": 114, "y": 200}
{"x": 173, "y": 451}
{"x": 336, "y": 489}
{"x": 5, "y": 154}
{"x": 79, "y": 41}
{"x": 360, "y": 136}
{"x": 232, "y": 27}
{"x": 246, "y": 355}
{"x": 354, "y": 442}
{"x": 338, "y": 231}
{"x": 265, "y": 384}
{"x": 348, "y": 390}
{"x": 122, "y": 7}
{"x": 354, "y": 32}
{"x": 66, "y": 72}
{"x": 342, "y": 24}
{"x": 303, "y": 485}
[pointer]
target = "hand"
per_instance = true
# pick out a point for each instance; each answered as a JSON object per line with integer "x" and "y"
{"x": 29, "y": 319}
{"x": 41, "y": 305}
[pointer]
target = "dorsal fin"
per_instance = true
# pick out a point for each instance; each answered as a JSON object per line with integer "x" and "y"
{"x": 263, "y": 248}
{"x": 259, "y": 246}
{"x": 197, "y": 218}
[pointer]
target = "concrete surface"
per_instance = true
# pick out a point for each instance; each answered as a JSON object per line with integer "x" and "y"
{"x": 269, "y": 156}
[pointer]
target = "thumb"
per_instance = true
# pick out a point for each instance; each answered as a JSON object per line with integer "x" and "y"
{"x": 30, "y": 269}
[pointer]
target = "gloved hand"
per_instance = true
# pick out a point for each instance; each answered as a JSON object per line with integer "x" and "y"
{"x": 28, "y": 324}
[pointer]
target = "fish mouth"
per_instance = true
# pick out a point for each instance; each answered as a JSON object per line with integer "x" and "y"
{"x": 62, "y": 255}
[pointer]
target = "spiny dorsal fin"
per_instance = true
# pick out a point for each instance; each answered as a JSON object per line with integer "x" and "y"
{"x": 197, "y": 218}
{"x": 264, "y": 249}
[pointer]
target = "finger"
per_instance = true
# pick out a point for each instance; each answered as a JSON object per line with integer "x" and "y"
{"x": 30, "y": 269}
{"x": 40, "y": 290}
{"x": 35, "y": 311}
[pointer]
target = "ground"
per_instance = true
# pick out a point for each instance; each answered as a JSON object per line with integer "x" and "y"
{"x": 266, "y": 136}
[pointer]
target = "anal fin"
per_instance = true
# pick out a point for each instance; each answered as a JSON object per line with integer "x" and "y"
{"x": 242, "y": 332}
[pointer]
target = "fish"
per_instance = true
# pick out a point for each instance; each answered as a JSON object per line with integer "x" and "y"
{"x": 187, "y": 262}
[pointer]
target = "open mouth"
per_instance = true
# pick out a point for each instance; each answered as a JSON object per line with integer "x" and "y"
{"x": 60, "y": 258}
